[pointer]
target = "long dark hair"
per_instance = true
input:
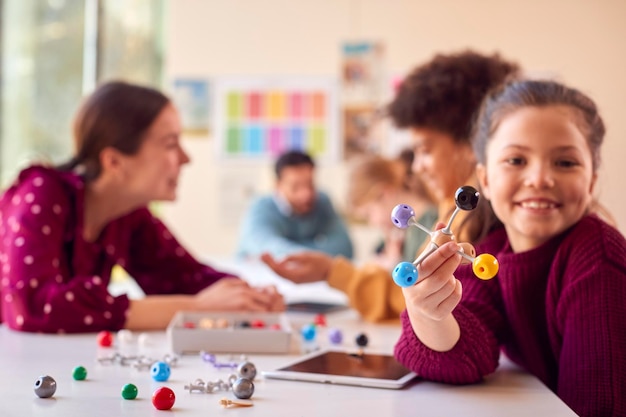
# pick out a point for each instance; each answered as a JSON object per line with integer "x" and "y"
{"x": 116, "y": 115}
{"x": 534, "y": 93}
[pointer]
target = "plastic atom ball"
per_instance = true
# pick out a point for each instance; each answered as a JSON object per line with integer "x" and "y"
{"x": 247, "y": 370}
{"x": 79, "y": 373}
{"x": 308, "y": 332}
{"x": 243, "y": 388}
{"x": 405, "y": 274}
{"x": 401, "y": 214}
{"x": 485, "y": 266}
{"x": 45, "y": 386}
{"x": 257, "y": 324}
{"x": 163, "y": 398}
{"x": 362, "y": 340}
{"x": 319, "y": 320}
{"x": 105, "y": 339}
{"x": 466, "y": 198}
{"x": 129, "y": 391}
{"x": 160, "y": 371}
{"x": 335, "y": 336}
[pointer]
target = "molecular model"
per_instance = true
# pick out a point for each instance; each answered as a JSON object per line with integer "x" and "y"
{"x": 485, "y": 266}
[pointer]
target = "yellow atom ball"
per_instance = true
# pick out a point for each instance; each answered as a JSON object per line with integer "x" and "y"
{"x": 485, "y": 266}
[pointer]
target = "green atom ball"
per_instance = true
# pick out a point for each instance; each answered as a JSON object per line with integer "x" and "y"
{"x": 129, "y": 392}
{"x": 80, "y": 373}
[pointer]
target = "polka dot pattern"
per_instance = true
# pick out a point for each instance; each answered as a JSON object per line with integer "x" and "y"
{"x": 38, "y": 218}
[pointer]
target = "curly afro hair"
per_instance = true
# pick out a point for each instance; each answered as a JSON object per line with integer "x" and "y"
{"x": 446, "y": 92}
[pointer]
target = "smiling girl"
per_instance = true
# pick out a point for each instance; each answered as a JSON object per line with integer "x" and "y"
{"x": 63, "y": 229}
{"x": 557, "y": 305}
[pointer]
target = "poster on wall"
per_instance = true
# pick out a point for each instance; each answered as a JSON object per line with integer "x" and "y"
{"x": 260, "y": 117}
{"x": 364, "y": 89}
{"x": 363, "y": 73}
{"x": 192, "y": 99}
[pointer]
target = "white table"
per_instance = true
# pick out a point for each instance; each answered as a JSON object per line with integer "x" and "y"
{"x": 24, "y": 357}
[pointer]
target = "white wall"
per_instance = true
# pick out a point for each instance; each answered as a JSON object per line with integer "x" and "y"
{"x": 579, "y": 40}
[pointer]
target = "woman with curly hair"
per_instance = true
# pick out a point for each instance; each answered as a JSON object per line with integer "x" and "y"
{"x": 437, "y": 102}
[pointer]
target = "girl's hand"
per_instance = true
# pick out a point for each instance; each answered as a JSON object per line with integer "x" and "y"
{"x": 301, "y": 267}
{"x": 233, "y": 294}
{"x": 430, "y": 302}
{"x": 437, "y": 291}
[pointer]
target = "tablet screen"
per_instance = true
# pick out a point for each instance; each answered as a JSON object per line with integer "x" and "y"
{"x": 351, "y": 364}
{"x": 346, "y": 368}
{"x": 314, "y": 307}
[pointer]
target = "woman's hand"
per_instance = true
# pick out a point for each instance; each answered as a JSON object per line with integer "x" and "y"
{"x": 301, "y": 267}
{"x": 233, "y": 294}
{"x": 277, "y": 302}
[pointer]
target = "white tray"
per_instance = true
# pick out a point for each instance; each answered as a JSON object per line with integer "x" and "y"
{"x": 232, "y": 339}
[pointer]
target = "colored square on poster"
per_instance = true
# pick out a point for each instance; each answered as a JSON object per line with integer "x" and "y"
{"x": 235, "y": 106}
{"x": 318, "y": 106}
{"x": 276, "y": 142}
{"x": 296, "y": 110}
{"x": 297, "y": 138}
{"x": 234, "y": 140}
{"x": 255, "y": 140}
{"x": 317, "y": 140}
{"x": 255, "y": 105}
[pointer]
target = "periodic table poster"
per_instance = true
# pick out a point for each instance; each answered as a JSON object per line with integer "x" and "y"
{"x": 258, "y": 118}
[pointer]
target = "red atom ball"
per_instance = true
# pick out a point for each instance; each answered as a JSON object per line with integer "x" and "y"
{"x": 163, "y": 398}
{"x": 320, "y": 320}
{"x": 257, "y": 324}
{"x": 105, "y": 338}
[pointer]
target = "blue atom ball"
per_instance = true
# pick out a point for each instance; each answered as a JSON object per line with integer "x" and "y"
{"x": 405, "y": 274}
{"x": 308, "y": 332}
{"x": 160, "y": 371}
